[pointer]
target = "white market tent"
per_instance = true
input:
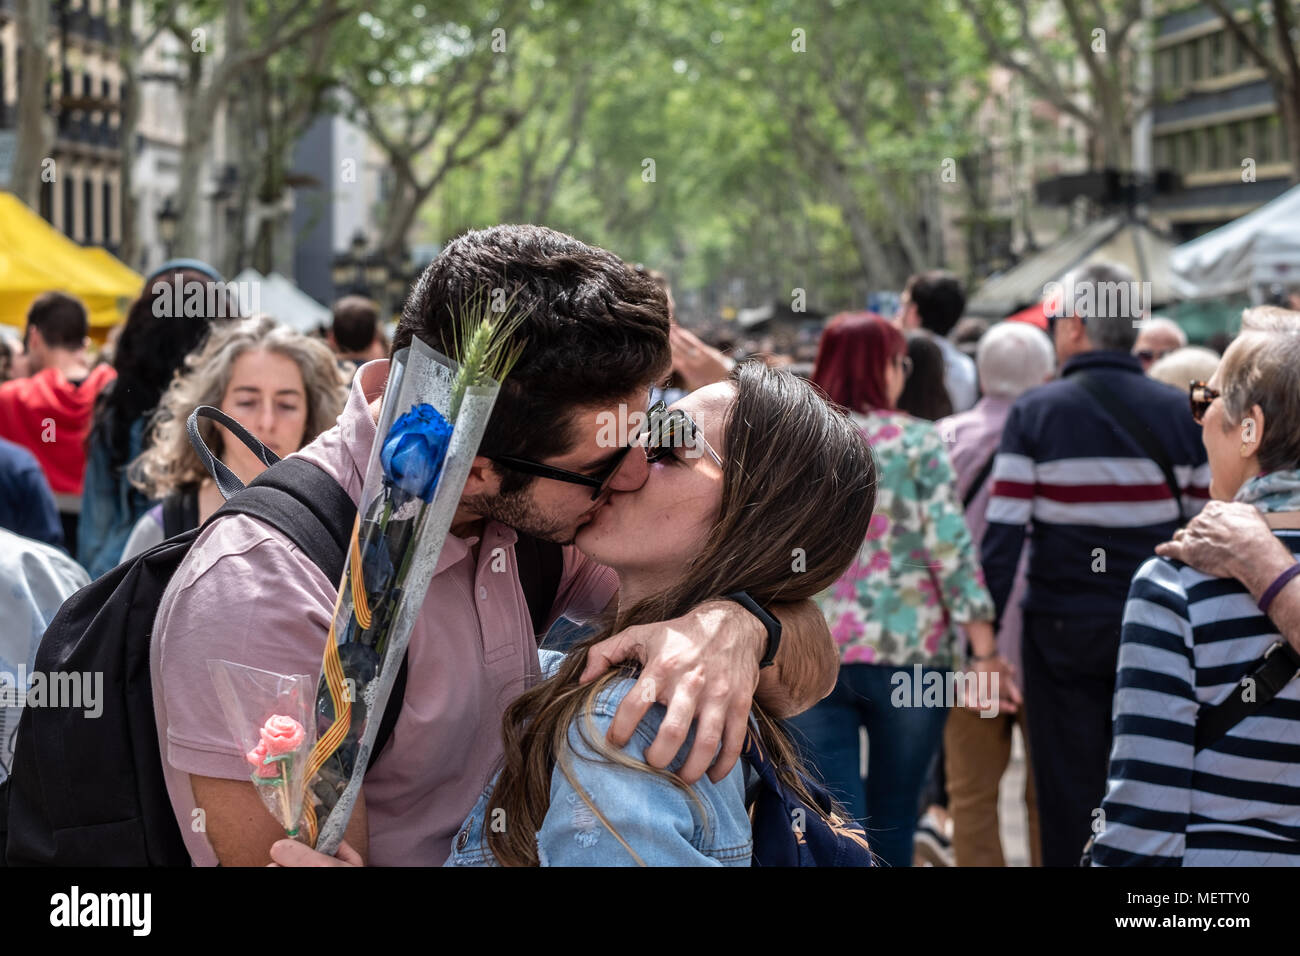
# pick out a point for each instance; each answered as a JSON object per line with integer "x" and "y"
{"x": 1113, "y": 239}
{"x": 281, "y": 299}
{"x": 1247, "y": 254}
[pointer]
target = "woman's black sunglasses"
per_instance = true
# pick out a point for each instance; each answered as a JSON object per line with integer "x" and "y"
{"x": 664, "y": 431}
{"x": 1200, "y": 396}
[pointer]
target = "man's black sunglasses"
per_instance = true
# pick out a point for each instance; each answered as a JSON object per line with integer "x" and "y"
{"x": 662, "y": 427}
{"x": 529, "y": 467}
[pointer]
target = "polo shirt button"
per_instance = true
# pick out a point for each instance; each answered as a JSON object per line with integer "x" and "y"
{"x": 482, "y": 593}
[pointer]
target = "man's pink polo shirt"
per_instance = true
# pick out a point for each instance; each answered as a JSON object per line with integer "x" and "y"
{"x": 246, "y": 594}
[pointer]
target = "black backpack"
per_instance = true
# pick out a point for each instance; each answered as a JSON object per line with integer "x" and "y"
{"x": 91, "y": 792}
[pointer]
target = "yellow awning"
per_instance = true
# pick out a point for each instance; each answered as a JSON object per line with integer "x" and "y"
{"x": 35, "y": 257}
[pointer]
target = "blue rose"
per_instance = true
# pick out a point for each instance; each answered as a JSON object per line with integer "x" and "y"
{"x": 415, "y": 450}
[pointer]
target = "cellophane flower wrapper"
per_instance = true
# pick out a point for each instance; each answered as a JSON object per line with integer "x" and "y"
{"x": 254, "y": 700}
{"x": 399, "y": 541}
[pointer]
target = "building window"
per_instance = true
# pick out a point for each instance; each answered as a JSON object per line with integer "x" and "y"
{"x": 1192, "y": 150}
{"x": 1267, "y": 138}
{"x": 1175, "y": 66}
{"x": 1196, "y": 59}
{"x": 47, "y": 202}
{"x": 69, "y": 204}
{"x": 1240, "y": 139}
{"x": 108, "y": 213}
{"x": 1241, "y": 58}
{"x": 1216, "y": 64}
{"x": 88, "y": 210}
{"x": 1219, "y": 148}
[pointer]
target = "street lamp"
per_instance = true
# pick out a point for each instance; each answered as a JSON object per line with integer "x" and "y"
{"x": 343, "y": 272}
{"x": 358, "y": 245}
{"x": 375, "y": 271}
{"x": 168, "y": 217}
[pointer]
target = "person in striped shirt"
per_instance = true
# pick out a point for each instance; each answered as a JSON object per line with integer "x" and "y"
{"x": 1188, "y": 641}
{"x": 1099, "y": 502}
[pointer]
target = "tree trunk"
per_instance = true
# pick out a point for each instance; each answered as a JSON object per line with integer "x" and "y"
{"x": 408, "y": 197}
{"x": 880, "y": 274}
{"x": 1288, "y": 102}
{"x": 33, "y": 128}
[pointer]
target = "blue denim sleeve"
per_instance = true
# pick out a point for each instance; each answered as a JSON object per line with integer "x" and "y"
{"x": 659, "y": 823}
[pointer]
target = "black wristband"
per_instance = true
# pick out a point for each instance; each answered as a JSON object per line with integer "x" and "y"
{"x": 772, "y": 625}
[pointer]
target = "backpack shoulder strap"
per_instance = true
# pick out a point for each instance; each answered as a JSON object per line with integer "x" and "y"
{"x": 1270, "y": 674}
{"x": 541, "y": 564}
{"x": 308, "y": 506}
{"x": 180, "y": 511}
{"x": 1137, "y": 429}
{"x": 980, "y": 479}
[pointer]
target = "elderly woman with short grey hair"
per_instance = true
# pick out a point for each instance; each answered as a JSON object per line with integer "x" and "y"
{"x": 1012, "y": 357}
{"x": 1205, "y": 764}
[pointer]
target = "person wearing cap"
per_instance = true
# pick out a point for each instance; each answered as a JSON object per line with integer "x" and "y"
{"x": 154, "y": 343}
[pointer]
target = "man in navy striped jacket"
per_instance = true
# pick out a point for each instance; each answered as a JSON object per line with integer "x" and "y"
{"x": 1078, "y": 471}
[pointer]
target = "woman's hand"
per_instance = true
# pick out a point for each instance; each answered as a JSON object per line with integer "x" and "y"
{"x": 293, "y": 853}
{"x": 1004, "y": 695}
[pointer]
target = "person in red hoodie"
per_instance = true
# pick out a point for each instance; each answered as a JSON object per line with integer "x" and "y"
{"x": 49, "y": 412}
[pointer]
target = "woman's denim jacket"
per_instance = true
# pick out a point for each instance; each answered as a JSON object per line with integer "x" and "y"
{"x": 657, "y": 819}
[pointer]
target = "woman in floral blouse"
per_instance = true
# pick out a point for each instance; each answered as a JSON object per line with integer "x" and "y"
{"x": 916, "y": 577}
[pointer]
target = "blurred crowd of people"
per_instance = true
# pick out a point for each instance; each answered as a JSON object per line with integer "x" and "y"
{"x": 1025, "y": 479}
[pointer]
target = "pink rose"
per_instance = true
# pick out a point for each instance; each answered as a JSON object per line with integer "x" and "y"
{"x": 282, "y": 735}
{"x": 257, "y": 757}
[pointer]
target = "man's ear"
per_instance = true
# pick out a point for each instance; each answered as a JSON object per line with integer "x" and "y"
{"x": 483, "y": 478}
{"x": 1079, "y": 331}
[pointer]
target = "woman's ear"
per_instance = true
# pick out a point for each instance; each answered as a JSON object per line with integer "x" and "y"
{"x": 483, "y": 478}
{"x": 1252, "y": 432}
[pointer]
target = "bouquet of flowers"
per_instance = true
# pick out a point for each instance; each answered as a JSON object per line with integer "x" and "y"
{"x": 432, "y": 420}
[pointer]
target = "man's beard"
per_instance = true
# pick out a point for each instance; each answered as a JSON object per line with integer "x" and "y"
{"x": 516, "y": 511}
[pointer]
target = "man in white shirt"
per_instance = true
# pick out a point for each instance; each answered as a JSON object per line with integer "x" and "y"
{"x": 933, "y": 302}
{"x": 35, "y": 579}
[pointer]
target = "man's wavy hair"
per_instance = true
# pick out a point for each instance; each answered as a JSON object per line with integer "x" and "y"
{"x": 594, "y": 330}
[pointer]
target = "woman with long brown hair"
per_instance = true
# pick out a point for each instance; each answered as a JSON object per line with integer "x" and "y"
{"x": 752, "y": 484}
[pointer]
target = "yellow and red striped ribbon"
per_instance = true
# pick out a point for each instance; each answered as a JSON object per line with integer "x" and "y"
{"x": 334, "y": 679}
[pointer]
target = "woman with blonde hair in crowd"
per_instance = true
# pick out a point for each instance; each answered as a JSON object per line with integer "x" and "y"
{"x": 281, "y": 385}
{"x": 1188, "y": 364}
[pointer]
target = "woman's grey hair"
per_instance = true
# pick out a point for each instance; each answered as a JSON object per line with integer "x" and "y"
{"x": 1263, "y": 368}
{"x": 1182, "y": 366}
{"x": 1012, "y": 357}
{"x": 1270, "y": 318}
{"x": 170, "y": 461}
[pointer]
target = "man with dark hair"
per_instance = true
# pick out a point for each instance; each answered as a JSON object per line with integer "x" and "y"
{"x": 1104, "y": 463}
{"x": 933, "y": 302}
{"x": 49, "y": 412}
{"x": 596, "y": 339}
{"x": 354, "y": 333}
